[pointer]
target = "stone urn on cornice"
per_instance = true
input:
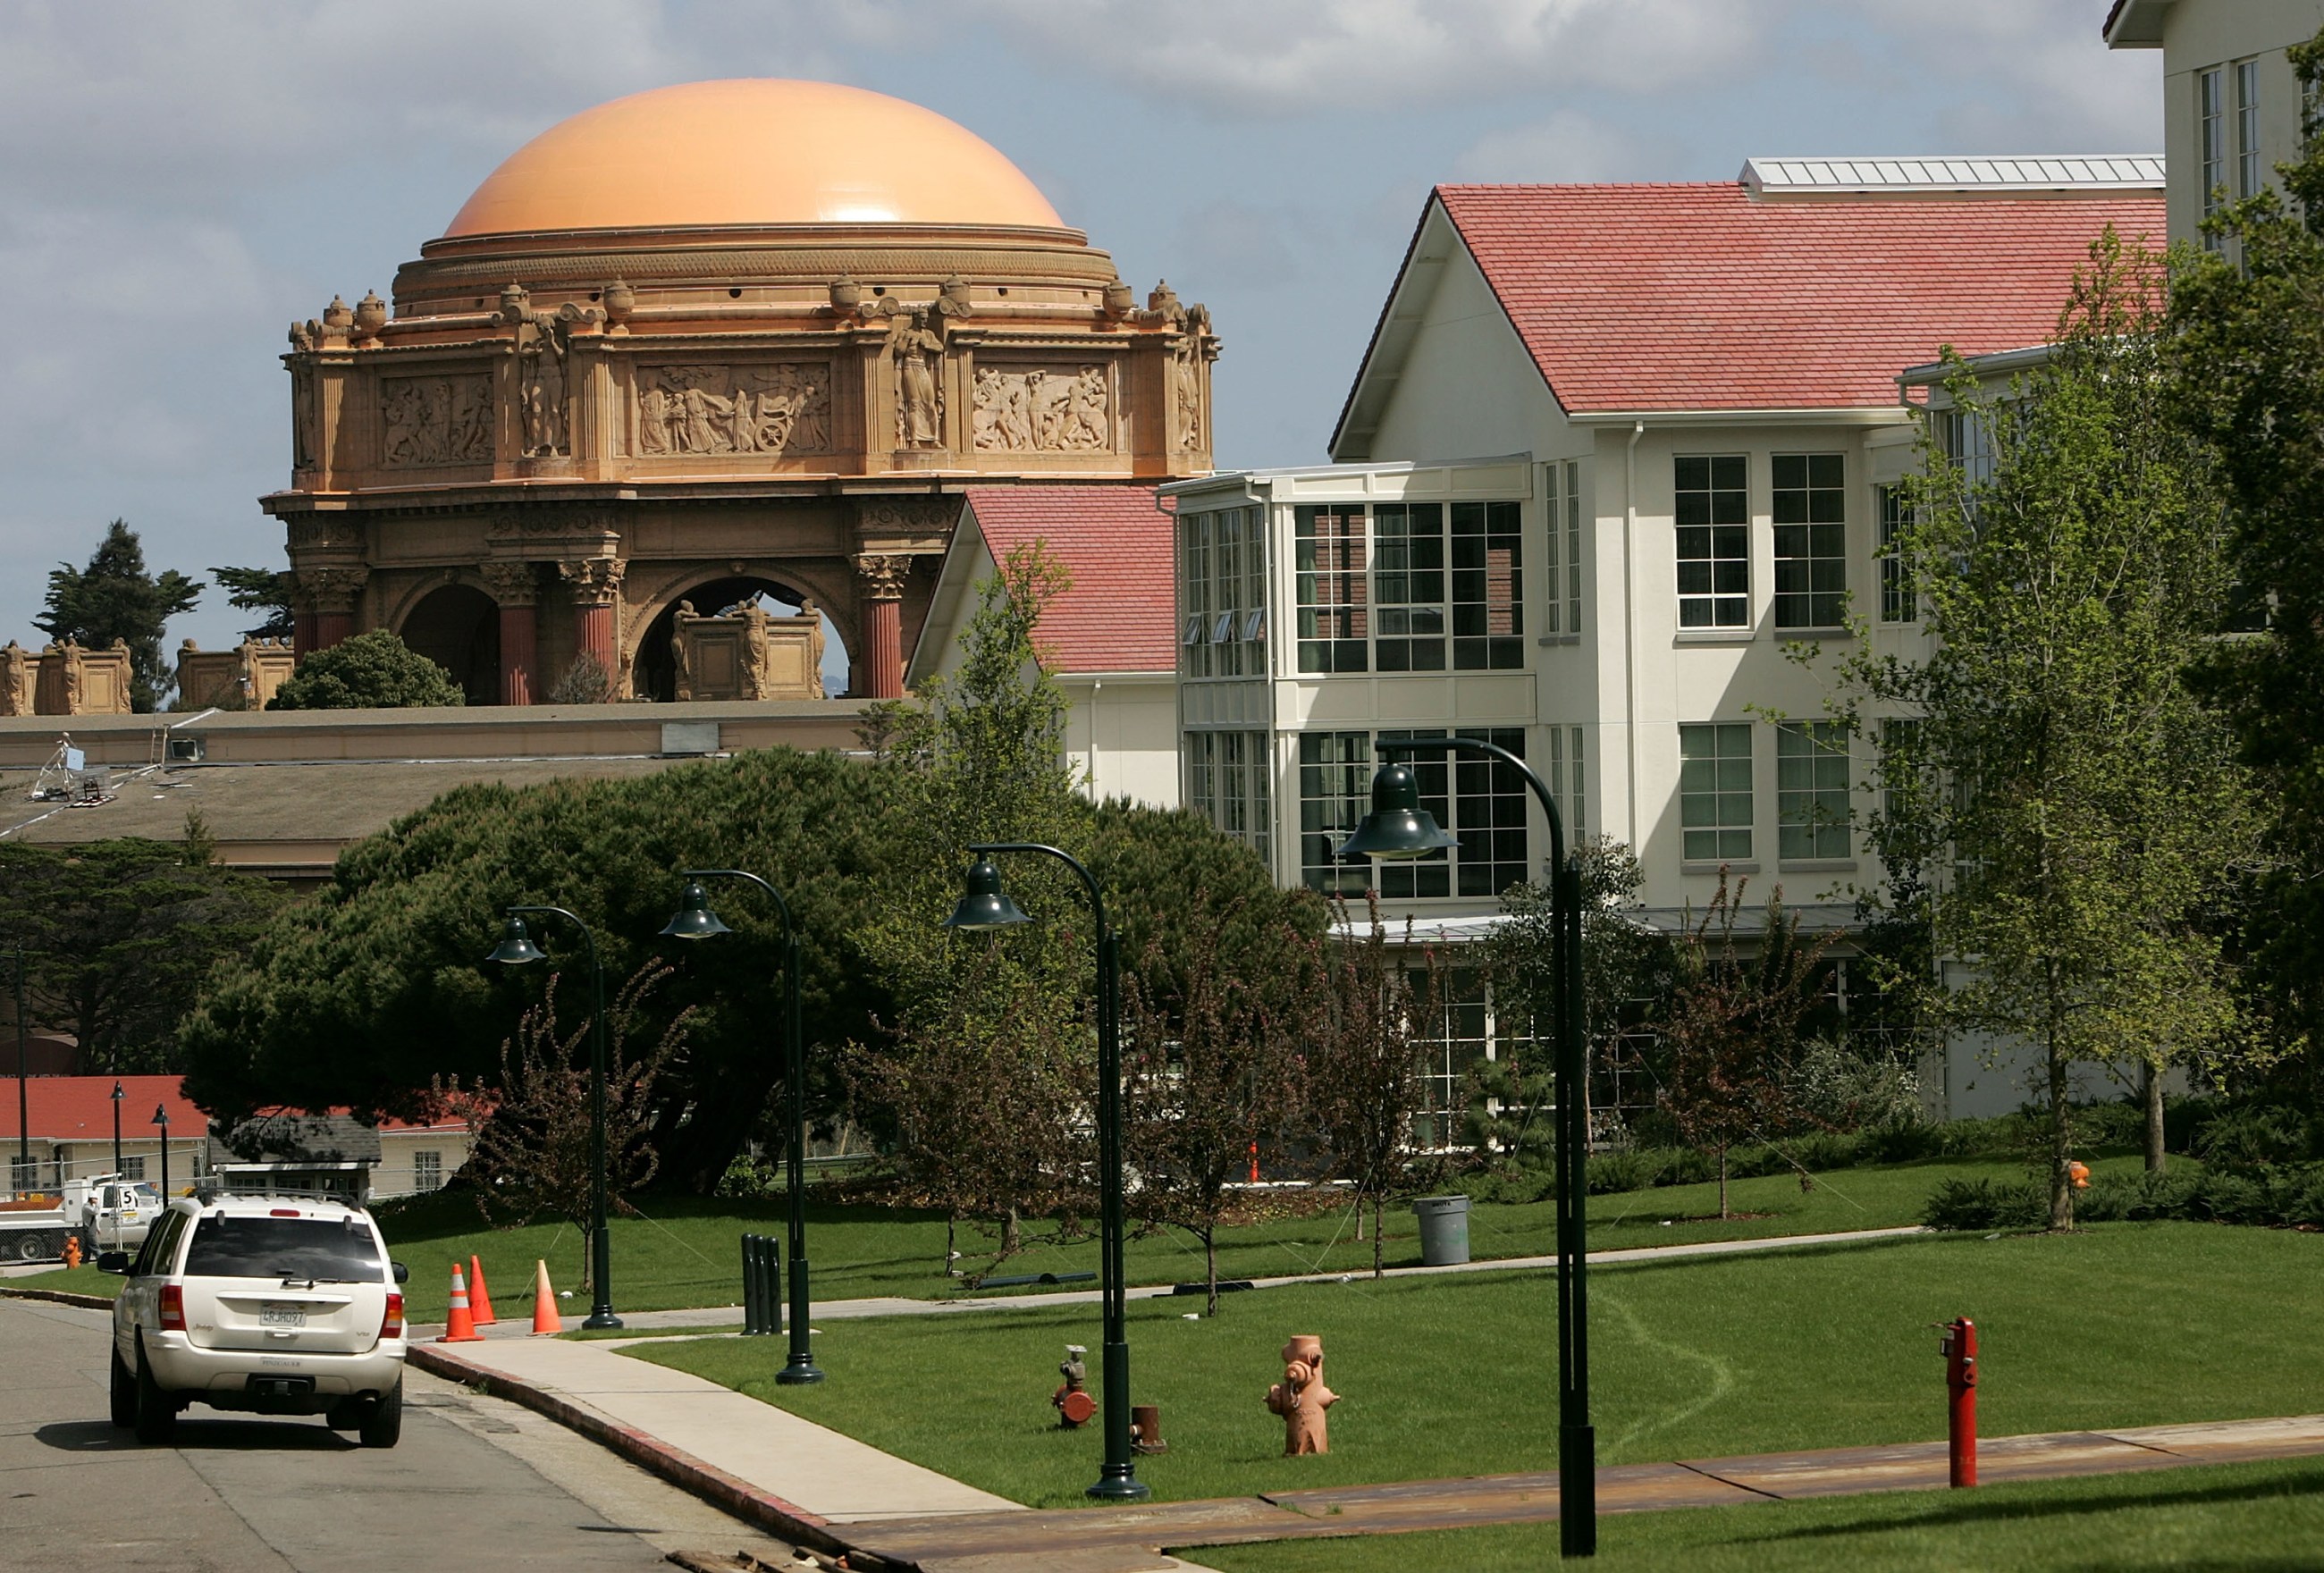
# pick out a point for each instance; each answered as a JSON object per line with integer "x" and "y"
{"x": 370, "y": 316}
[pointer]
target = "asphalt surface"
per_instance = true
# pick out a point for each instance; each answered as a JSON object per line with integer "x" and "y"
{"x": 474, "y": 1483}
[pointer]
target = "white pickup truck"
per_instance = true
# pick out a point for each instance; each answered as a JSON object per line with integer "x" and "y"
{"x": 108, "y": 1212}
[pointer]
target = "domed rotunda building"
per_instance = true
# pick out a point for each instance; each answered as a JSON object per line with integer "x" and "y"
{"x": 701, "y": 345}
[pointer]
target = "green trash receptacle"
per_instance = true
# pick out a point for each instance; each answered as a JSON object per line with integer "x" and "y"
{"x": 1444, "y": 1231}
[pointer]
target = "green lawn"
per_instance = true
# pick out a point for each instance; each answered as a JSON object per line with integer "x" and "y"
{"x": 2253, "y": 1517}
{"x": 2127, "y": 1324}
{"x": 686, "y": 1252}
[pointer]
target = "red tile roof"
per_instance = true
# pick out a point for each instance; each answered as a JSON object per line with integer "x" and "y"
{"x": 1698, "y": 297}
{"x": 79, "y": 1108}
{"x": 1122, "y": 613}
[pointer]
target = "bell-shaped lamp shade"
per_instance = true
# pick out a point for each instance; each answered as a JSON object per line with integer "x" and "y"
{"x": 161, "y": 1114}
{"x": 695, "y": 920}
{"x": 1397, "y": 826}
{"x": 983, "y": 905}
{"x": 516, "y": 946}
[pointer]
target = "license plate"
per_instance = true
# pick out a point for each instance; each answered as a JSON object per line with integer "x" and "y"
{"x": 283, "y": 1316}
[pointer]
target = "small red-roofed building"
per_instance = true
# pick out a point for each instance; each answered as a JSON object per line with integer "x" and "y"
{"x": 1613, "y": 450}
{"x": 1110, "y": 639}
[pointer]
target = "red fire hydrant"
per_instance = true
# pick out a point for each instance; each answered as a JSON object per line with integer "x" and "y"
{"x": 1959, "y": 1348}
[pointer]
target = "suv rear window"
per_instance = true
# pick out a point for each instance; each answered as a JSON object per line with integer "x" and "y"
{"x": 327, "y": 1250}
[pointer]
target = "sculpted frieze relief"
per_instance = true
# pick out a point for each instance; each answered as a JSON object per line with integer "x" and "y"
{"x": 322, "y": 530}
{"x": 1042, "y": 409}
{"x": 782, "y": 407}
{"x": 437, "y": 420}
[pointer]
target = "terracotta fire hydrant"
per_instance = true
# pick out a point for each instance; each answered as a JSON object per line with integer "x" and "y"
{"x": 1073, "y": 1403}
{"x": 1301, "y": 1398}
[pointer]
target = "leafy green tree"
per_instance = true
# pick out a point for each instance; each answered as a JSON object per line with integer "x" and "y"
{"x": 114, "y": 598}
{"x": 261, "y": 590}
{"x": 366, "y": 993}
{"x": 119, "y": 936}
{"x": 2056, "y": 796}
{"x": 2245, "y": 343}
{"x": 371, "y": 671}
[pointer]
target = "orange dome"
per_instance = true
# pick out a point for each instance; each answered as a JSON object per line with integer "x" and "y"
{"x": 752, "y": 150}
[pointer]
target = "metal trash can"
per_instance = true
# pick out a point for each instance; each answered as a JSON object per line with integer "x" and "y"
{"x": 1443, "y": 1229}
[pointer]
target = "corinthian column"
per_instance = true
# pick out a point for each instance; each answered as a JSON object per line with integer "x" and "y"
{"x": 595, "y": 583}
{"x": 517, "y": 591}
{"x": 880, "y": 595}
{"x": 331, "y": 592}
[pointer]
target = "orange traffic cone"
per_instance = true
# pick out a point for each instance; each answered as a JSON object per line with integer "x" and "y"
{"x": 459, "y": 1327}
{"x": 545, "y": 1319}
{"x": 480, "y": 1299}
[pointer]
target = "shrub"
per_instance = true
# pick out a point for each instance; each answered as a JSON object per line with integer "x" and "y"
{"x": 371, "y": 671}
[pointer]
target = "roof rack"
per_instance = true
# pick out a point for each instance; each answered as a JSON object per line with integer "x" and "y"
{"x": 210, "y": 1189}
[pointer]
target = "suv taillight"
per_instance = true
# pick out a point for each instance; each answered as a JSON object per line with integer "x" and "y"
{"x": 173, "y": 1309}
{"x": 390, "y": 1323}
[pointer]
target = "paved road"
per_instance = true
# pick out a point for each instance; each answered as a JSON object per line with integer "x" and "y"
{"x": 475, "y": 1482}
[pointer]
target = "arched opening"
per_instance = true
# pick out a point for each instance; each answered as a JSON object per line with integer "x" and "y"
{"x": 459, "y": 628}
{"x": 657, "y": 675}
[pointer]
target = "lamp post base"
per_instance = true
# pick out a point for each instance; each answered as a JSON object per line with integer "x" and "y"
{"x": 801, "y": 1372}
{"x": 602, "y": 1317}
{"x": 1577, "y": 1490}
{"x": 1119, "y": 1484}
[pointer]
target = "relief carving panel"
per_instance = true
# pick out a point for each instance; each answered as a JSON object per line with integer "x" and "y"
{"x": 1042, "y": 409}
{"x": 437, "y": 420}
{"x": 778, "y": 409}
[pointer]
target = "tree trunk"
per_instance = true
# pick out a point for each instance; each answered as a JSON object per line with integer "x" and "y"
{"x": 1722, "y": 1184}
{"x": 2062, "y": 1144}
{"x": 1377, "y": 1199}
{"x": 1012, "y": 1236}
{"x": 2155, "y": 1157}
{"x": 952, "y": 1249}
{"x": 1210, "y": 1265}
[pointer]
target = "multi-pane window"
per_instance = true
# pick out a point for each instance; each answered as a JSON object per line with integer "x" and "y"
{"x": 1409, "y": 586}
{"x": 2247, "y": 167}
{"x": 1563, "y": 776}
{"x": 1334, "y": 789}
{"x": 1328, "y": 574}
{"x": 1480, "y": 801}
{"x": 1714, "y": 792}
{"x": 1223, "y": 593}
{"x": 1229, "y": 784}
{"x": 1572, "y": 547}
{"x": 2210, "y": 136}
{"x": 132, "y": 1168}
{"x": 1899, "y": 602}
{"x": 1900, "y": 736}
{"x": 1967, "y": 437}
{"x": 1810, "y": 510}
{"x": 427, "y": 1171}
{"x": 1812, "y": 790}
{"x": 1488, "y": 591}
{"x": 1714, "y": 542}
{"x": 1461, "y": 1041}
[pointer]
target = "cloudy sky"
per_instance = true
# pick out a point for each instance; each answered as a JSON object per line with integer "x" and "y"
{"x": 178, "y": 182}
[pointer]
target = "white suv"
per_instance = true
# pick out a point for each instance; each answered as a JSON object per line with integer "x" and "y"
{"x": 276, "y": 1304}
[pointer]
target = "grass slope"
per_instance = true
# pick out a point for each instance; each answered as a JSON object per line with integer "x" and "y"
{"x": 2256, "y": 1518}
{"x": 2127, "y": 1324}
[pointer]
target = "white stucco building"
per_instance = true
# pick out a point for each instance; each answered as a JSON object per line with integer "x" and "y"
{"x": 2232, "y": 109}
{"x": 1688, "y": 400}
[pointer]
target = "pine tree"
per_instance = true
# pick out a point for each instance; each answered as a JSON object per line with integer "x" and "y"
{"x": 115, "y": 598}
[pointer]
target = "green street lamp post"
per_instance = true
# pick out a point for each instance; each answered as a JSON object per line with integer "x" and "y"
{"x": 116, "y": 1130}
{"x": 1397, "y": 827}
{"x": 696, "y": 921}
{"x": 24, "y": 1175}
{"x": 983, "y": 906}
{"x": 516, "y": 949}
{"x": 161, "y": 1124}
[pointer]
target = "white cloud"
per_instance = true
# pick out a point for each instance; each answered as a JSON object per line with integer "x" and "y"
{"x": 1284, "y": 56}
{"x": 1568, "y": 145}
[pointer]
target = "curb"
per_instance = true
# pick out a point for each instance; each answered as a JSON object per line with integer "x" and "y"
{"x": 680, "y": 1468}
{"x": 61, "y": 1296}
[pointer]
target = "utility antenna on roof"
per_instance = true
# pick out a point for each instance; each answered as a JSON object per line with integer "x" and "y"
{"x": 67, "y": 778}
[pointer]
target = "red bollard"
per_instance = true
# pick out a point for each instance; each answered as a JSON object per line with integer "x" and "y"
{"x": 1959, "y": 1348}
